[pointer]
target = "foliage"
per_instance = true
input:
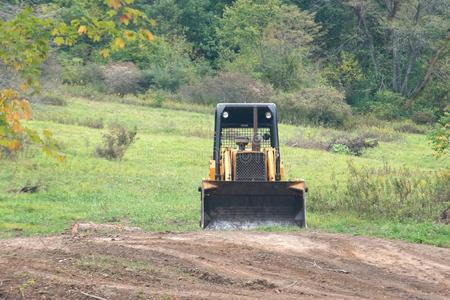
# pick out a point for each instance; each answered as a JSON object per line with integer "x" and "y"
{"x": 25, "y": 45}
{"x": 387, "y": 192}
{"x": 49, "y": 100}
{"x": 340, "y": 149}
{"x": 388, "y": 105}
{"x": 227, "y": 87}
{"x": 116, "y": 142}
{"x": 122, "y": 78}
{"x": 423, "y": 117}
{"x": 13, "y": 110}
{"x": 440, "y": 136}
{"x": 274, "y": 50}
{"x": 350, "y": 142}
{"x": 396, "y": 193}
{"x": 320, "y": 106}
{"x": 166, "y": 63}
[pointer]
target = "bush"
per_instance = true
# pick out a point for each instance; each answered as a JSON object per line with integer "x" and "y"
{"x": 74, "y": 72}
{"x": 165, "y": 63}
{"x": 390, "y": 193}
{"x": 341, "y": 149}
{"x": 351, "y": 143}
{"x": 388, "y": 105}
{"x": 49, "y": 100}
{"x": 423, "y": 117}
{"x": 123, "y": 78}
{"x": 409, "y": 127}
{"x": 316, "y": 106}
{"x": 116, "y": 142}
{"x": 92, "y": 123}
{"x": 227, "y": 87}
{"x": 353, "y": 146}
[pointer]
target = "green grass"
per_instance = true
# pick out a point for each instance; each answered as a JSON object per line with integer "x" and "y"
{"x": 155, "y": 185}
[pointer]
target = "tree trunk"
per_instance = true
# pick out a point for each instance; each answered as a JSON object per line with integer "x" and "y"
{"x": 359, "y": 11}
{"x": 429, "y": 74}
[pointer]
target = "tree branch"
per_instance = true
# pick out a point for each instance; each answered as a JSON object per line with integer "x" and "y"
{"x": 429, "y": 74}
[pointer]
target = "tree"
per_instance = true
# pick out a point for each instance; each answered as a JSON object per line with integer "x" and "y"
{"x": 269, "y": 41}
{"x": 25, "y": 42}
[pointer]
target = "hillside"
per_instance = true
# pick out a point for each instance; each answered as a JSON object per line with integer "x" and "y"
{"x": 155, "y": 185}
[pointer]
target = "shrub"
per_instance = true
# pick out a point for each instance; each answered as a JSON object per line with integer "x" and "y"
{"x": 390, "y": 193}
{"x": 92, "y": 123}
{"x": 409, "y": 127}
{"x": 341, "y": 149}
{"x": 75, "y": 72}
{"x": 388, "y": 105}
{"x": 423, "y": 117}
{"x": 227, "y": 87}
{"x": 316, "y": 106}
{"x": 352, "y": 143}
{"x": 49, "y": 100}
{"x": 166, "y": 63}
{"x": 116, "y": 142}
{"x": 123, "y": 78}
{"x": 353, "y": 146}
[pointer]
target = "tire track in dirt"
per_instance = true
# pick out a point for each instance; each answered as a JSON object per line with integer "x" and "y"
{"x": 236, "y": 264}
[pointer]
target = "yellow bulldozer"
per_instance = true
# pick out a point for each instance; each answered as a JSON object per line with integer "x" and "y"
{"x": 246, "y": 185}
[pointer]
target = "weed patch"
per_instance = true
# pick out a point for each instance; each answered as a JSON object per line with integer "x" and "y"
{"x": 116, "y": 142}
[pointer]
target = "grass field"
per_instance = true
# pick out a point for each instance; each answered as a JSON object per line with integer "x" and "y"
{"x": 155, "y": 185}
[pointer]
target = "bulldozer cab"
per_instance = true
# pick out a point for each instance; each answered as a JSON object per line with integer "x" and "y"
{"x": 246, "y": 129}
{"x": 246, "y": 187}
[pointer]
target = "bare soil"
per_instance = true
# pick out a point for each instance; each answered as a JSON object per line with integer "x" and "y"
{"x": 220, "y": 265}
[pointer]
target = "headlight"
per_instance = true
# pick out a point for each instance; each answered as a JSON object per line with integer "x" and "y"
{"x": 268, "y": 115}
{"x": 225, "y": 114}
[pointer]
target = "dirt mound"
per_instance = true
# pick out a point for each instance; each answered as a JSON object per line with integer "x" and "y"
{"x": 224, "y": 265}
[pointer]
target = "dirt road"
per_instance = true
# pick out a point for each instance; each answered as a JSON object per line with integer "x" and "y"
{"x": 220, "y": 265}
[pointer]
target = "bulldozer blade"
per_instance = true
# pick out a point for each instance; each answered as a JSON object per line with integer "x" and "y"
{"x": 245, "y": 205}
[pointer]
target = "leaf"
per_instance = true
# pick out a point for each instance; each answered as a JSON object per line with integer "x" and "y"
{"x": 59, "y": 40}
{"x": 129, "y": 35}
{"x": 25, "y": 105}
{"x": 104, "y": 53}
{"x": 60, "y": 158}
{"x": 23, "y": 86}
{"x": 124, "y": 19}
{"x": 17, "y": 128}
{"x": 114, "y": 4}
{"x": 14, "y": 145}
{"x": 148, "y": 35}
{"x": 82, "y": 30}
{"x": 47, "y": 133}
{"x": 34, "y": 137}
{"x": 119, "y": 43}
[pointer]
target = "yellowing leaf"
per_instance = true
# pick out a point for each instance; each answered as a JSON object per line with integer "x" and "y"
{"x": 119, "y": 43}
{"x": 26, "y": 109}
{"x": 82, "y": 30}
{"x": 124, "y": 19}
{"x": 129, "y": 35}
{"x": 104, "y": 53}
{"x": 115, "y": 4}
{"x": 17, "y": 128}
{"x": 59, "y": 40}
{"x": 23, "y": 86}
{"x": 14, "y": 145}
{"x": 148, "y": 35}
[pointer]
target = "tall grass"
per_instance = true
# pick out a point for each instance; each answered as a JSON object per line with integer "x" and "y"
{"x": 389, "y": 193}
